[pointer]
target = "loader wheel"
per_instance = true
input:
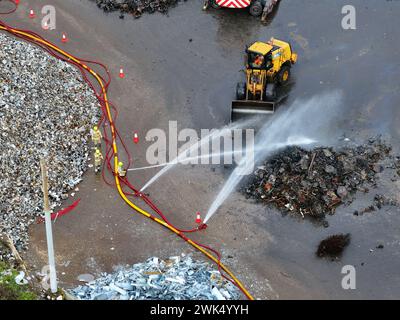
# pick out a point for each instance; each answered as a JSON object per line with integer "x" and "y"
{"x": 284, "y": 75}
{"x": 270, "y": 92}
{"x": 256, "y": 9}
{"x": 241, "y": 91}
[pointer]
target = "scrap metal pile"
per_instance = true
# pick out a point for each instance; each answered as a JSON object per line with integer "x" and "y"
{"x": 314, "y": 182}
{"x": 46, "y": 110}
{"x": 177, "y": 278}
{"x": 136, "y": 7}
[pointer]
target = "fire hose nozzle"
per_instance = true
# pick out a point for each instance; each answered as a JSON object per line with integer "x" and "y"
{"x": 203, "y": 226}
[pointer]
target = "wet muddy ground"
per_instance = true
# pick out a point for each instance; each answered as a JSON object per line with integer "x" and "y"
{"x": 184, "y": 67}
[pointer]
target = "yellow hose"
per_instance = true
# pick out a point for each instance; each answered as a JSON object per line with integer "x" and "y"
{"x": 115, "y": 149}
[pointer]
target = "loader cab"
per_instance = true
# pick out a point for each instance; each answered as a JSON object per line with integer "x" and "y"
{"x": 259, "y": 56}
{"x": 259, "y": 61}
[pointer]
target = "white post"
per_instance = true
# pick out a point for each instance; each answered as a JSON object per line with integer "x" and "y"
{"x": 49, "y": 233}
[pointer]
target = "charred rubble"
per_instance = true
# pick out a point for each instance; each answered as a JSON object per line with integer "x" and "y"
{"x": 378, "y": 203}
{"x": 136, "y": 7}
{"x": 333, "y": 246}
{"x": 312, "y": 183}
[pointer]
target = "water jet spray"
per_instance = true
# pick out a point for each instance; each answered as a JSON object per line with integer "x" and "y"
{"x": 293, "y": 126}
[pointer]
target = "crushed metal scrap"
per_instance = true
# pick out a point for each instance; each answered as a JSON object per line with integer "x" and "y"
{"x": 46, "y": 110}
{"x": 314, "y": 182}
{"x": 136, "y": 7}
{"x": 177, "y": 278}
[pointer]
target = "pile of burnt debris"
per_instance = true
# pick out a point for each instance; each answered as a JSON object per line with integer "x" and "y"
{"x": 136, "y": 7}
{"x": 333, "y": 246}
{"x": 314, "y": 182}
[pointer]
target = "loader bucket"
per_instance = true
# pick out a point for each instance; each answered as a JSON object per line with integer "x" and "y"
{"x": 253, "y": 107}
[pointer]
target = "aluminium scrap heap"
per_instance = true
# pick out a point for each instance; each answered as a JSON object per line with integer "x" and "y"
{"x": 177, "y": 278}
{"x": 46, "y": 110}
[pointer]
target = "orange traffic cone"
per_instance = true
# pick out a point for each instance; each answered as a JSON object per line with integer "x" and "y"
{"x": 32, "y": 14}
{"x": 198, "y": 218}
{"x": 135, "y": 137}
{"x": 64, "y": 38}
{"x": 121, "y": 73}
{"x": 45, "y": 26}
{"x": 16, "y": 2}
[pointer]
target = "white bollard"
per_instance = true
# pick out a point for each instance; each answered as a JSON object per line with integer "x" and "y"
{"x": 50, "y": 252}
{"x": 49, "y": 232}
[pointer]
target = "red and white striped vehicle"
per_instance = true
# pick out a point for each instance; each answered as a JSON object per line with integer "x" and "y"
{"x": 236, "y": 4}
{"x": 256, "y": 7}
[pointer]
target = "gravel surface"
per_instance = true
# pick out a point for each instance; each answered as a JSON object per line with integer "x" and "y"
{"x": 46, "y": 110}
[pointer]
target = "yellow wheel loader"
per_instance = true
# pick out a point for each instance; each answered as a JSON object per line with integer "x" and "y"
{"x": 267, "y": 66}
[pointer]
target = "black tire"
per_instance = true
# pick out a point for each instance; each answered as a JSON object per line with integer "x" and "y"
{"x": 256, "y": 9}
{"x": 214, "y": 4}
{"x": 240, "y": 91}
{"x": 270, "y": 92}
{"x": 283, "y": 75}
